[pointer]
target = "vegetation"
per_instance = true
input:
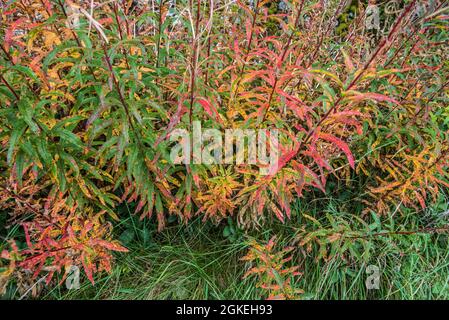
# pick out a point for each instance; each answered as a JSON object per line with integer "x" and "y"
{"x": 91, "y": 93}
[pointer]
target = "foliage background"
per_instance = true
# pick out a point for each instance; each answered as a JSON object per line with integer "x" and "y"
{"x": 90, "y": 92}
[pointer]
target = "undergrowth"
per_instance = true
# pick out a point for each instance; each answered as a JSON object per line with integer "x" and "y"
{"x": 352, "y": 101}
{"x": 202, "y": 261}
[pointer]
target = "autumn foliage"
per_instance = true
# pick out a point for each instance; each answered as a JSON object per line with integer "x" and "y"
{"x": 90, "y": 93}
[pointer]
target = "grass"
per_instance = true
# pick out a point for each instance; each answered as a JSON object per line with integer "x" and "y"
{"x": 197, "y": 262}
{"x": 202, "y": 260}
{"x": 179, "y": 263}
{"x": 417, "y": 275}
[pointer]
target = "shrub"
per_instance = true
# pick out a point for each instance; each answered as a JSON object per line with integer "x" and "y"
{"x": 91, "y": 94}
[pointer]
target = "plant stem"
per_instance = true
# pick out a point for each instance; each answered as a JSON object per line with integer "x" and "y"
{"x": 281, "y": 60}
{"x": 193, "y": 63}
{"x": 364, "y": 69}
{"x": 248, "y": 48}
{"x": 10, "y": 88}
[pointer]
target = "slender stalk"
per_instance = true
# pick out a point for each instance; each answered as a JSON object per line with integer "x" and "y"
{"x": 120, "y": 32}
{"x": 415, "y": 116}
{"x": 319, "y": 44}
{"x": 159, "y": 30}
{"x": 281, "y": 60}
{"x": 364, "y": 69}
{"x": 10, "y": 88}
{"x": 78, "y": 42}
{"x": 206, "y": 79}
{"x": 9, "y": 57}
{"x": 121, "y": 98}
{"x": 46, "y": 10}
{"x": 24, "y": 201}
{"x": 158, "y": 45}
{"x": 194, "y": 62}
{"x": 412, "y": 34}
{"x": 7, "y": 54}
{"x": 423, "y": 230}
{"x": 248, "y": 48}
{"x": 150, "y": 167}
{"x": 339, "y": 9}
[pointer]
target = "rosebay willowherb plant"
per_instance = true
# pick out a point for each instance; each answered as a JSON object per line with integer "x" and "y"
{"x": 93, "y": 92}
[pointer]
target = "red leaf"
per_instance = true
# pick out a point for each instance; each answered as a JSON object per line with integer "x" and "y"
{"x": 372, "y": 96}
{"x": 27, "y": 236}
{"x": 111, "y": 245}
{"x": 340, "y": 144}
{"x": 47, "y": 6}
{"x": 207, "y": 107}
{"x": 87, "y": 265}
{"x": 174, "y": 121}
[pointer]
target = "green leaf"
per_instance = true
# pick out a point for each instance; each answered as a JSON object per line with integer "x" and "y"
{"x": 19, "y": 129}
{"x": 226, "y": 231}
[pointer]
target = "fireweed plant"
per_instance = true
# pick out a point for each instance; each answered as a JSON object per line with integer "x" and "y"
{"x": 91, "y": 93}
